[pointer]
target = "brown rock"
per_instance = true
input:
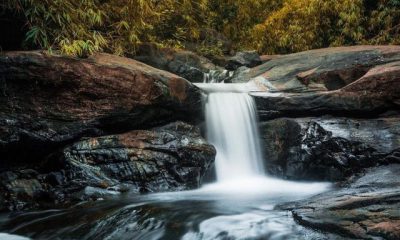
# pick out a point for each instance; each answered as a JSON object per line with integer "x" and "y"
{"x": 366, "y": 209}
{"x": 321, "y": 69}
{"x": 184, "y": 63}
{"x": 382, "y": 80}
{"x": 50, "y": 100}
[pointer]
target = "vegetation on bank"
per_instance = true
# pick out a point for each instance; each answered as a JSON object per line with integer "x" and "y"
{"x": 211, "y": 27}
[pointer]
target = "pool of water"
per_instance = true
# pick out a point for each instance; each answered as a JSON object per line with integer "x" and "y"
{"x": 242, "y": 209}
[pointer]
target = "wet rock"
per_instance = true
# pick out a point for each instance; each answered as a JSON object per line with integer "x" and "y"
{"x": 183, "y": 63}
{"x": 362, "y": 104}
{"x": 239, "y": 75}
{"x": 19, "y": 190}
{"x": 321, "y": 69}
{"x": 367, "y": 208}
{"x": 48, "y": 101}
{"x": 328, "y": 148}
{"x": 169, "y": 158}
{"x": 96, "y": 193}
{"x": 12, "y": 237}
{"x": 174, "y": 157}
{"x": 243, "y": 59}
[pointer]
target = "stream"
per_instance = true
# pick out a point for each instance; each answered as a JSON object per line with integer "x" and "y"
{"x": 239, "y": 205}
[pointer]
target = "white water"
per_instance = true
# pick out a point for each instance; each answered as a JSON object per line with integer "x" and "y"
{"x": 232, "y": 128}
{"x": 239, "y": 206}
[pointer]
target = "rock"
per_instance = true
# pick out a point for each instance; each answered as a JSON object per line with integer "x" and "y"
{"x": 365, "y": 95}
{"x": 321, "y": 69}
{"x": 174, "y": 157}
{"x": 239, "y": 75}
{"x": 267, "y": 58}
{"x": 330, "y": 149}
{"x": 20, "y": 190}
{"x": 247, "y": 59}
{"x": 368, "y": 208}
{"x": 183, "y": 63}
{"x": 169, "y": 158}
{"x": 6, "y": 236}
{"x": 382, "y": 80}
{"x": 362, "y": 104}
{"x": 48, "y": 101}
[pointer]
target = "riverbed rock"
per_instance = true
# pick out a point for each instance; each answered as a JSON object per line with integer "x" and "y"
{"x": 170, "y": 158}
{"x": 367, "y": 208}
{"x": 359, "y": 104}
{"x": 173, "y": 157}
{"x": 322, "y": 69}
{"x": 48, "y": 101}
{"x": 329, "y": 149}
{"x": 369, "y": 76}
{"x": 248, "y": 59}
{"x": 184, "y": 63}
{"x": 382, "y": 80}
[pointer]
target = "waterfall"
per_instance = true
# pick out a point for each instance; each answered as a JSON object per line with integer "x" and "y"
{"x": 232, "y": 128}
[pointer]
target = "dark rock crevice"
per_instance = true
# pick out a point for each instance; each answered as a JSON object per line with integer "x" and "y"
{"x": 173, "y": 157}
{"x": 328, "y": 148}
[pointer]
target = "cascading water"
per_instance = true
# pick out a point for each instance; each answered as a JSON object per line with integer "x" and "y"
{"x": 240, "y": 205}
{"x": 232, "y": 128}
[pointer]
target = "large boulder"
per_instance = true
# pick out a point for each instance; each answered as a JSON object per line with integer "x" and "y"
{"x": 169, "y": 158}
{"x": 367, "y": 208}
{"x": 186, "y": 64}
{"x": 321, "y": 69}
{"x": 380, "y": 81}
{"x": 248, "y": 59}
{"x": 361, "y": 104}
{"x": 330, "y": 149}
{"x": 48, "y": 101}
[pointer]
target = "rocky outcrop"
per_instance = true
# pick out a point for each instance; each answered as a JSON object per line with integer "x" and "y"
{"x": 169, "y": 158}
{"x": 329, "y": 149}
{"x": 380, "y": 81}
{"x": 322, "y": 69}
{"x": 248, "y": 59}
{"x": 77, "y": 129}
{"x": 48, "y": 101}
{"x": 362, "y": 104}
{"x": 186, "y": 64}
{"x": 335, "y": 132}
{"x": 368, "y": 208}
{"x": 335, "y": 115}
{"x": 373, "y": 94}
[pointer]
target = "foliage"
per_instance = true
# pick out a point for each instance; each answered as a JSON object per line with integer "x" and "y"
{"x": 307, "y": 24}
{"x": 82, "y": 27}
{"x": 383, "y": 25}
{"x": 235, "y": 19}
